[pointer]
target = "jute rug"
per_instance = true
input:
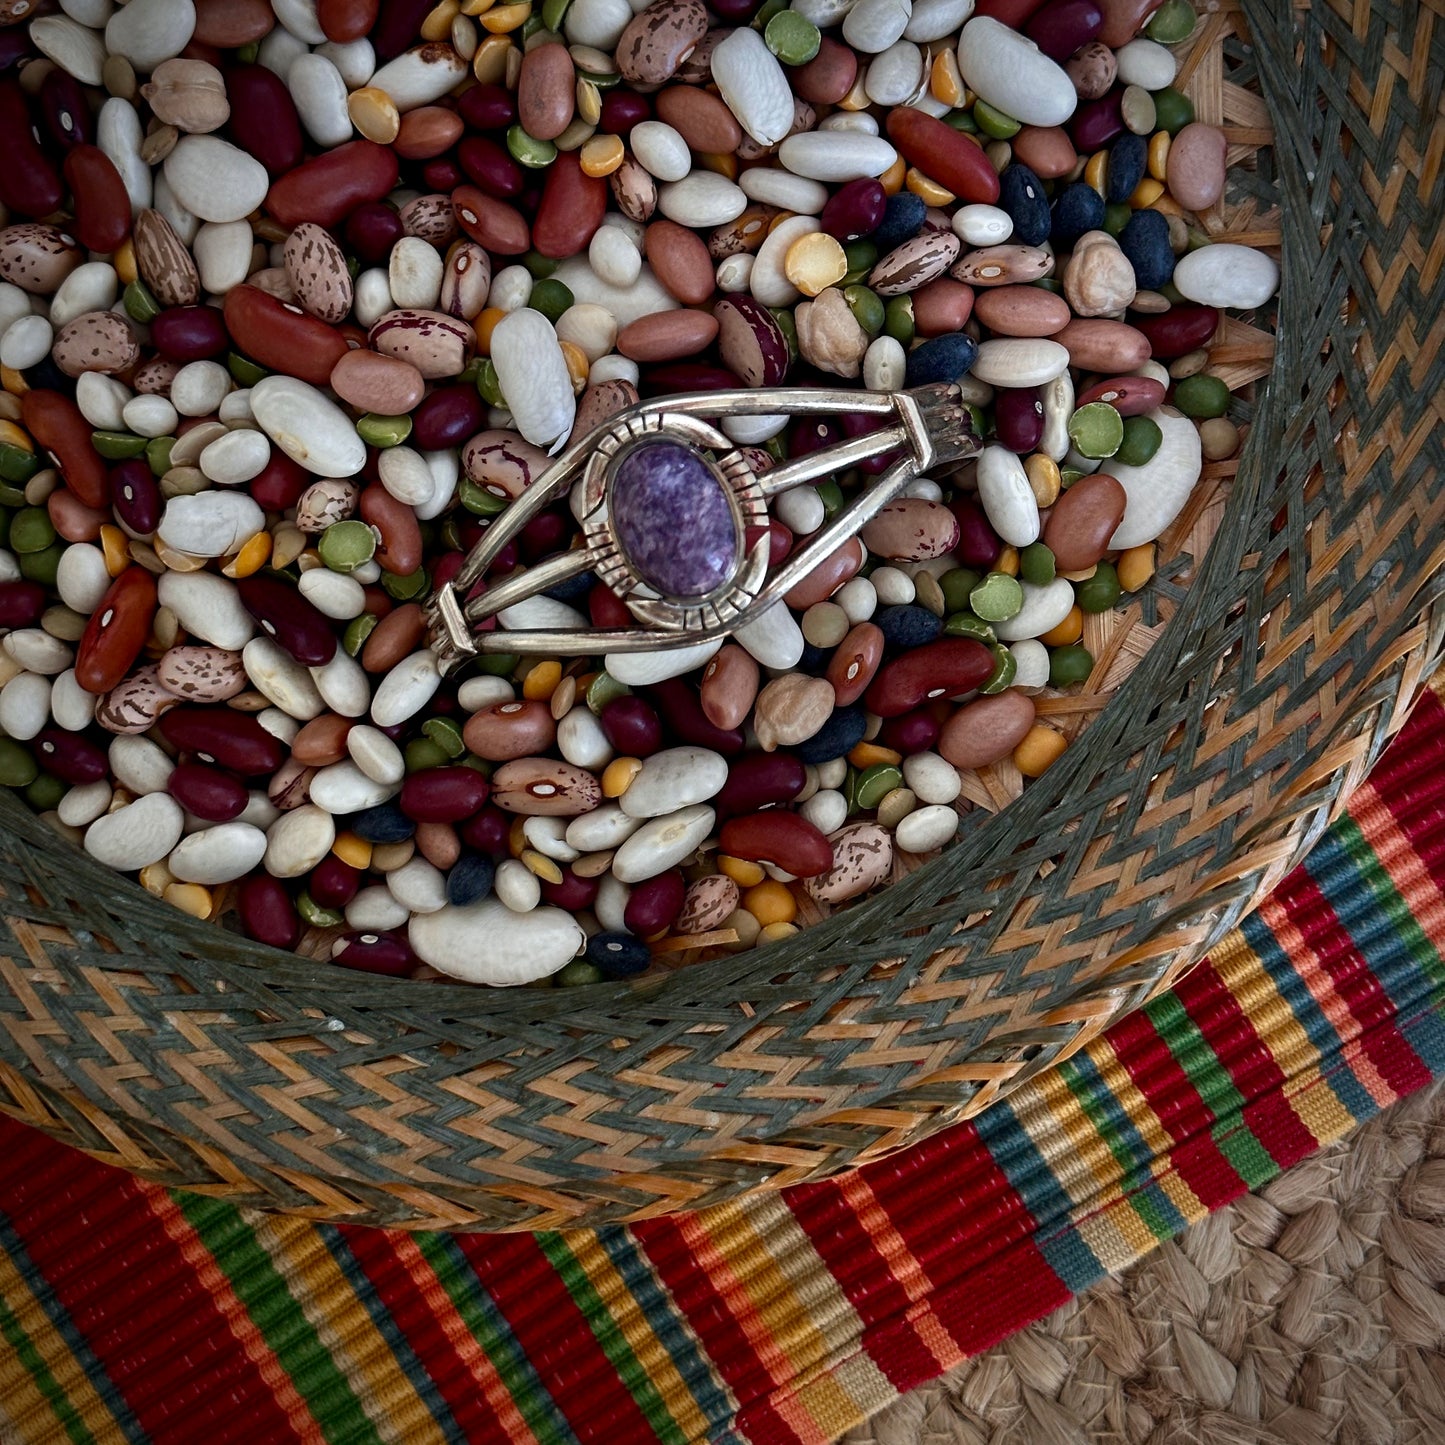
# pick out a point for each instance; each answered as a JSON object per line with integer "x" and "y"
{"x": 1312, "y": 1311}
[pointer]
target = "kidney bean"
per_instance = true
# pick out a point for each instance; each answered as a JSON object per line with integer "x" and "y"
{"x": 911, "y": 732}
{"x": 944, "y": 154}
{"x": 234, "y": 740}
{"x": 322, "y": 741}
{"x": 758, "y": 781}
{"x": 327, "y": 188}
{"x": 448, "y": 417}
{"x": 266, "y": 911}
{"x": 938, "y": 669}
{"x": 136, "y": 496}
{"x": 1082, "y": 521}
{"x": 605, "y": 608}
{"x": 686, "y": 376}
{"x": 21, "y": 603}
{"x": 1178, "y": 331}
{"x": 828, "y": 76}
{"x": 978, "y": 543}
{"x": 387, "y": 954}
{"x": 1128, "y": 395}
{"x": 654, "y": 904}
{"x": 488, "y": 107}
{"x": 65, "y": 110}
{"x": 573, "y": 205}
{"x": 1013, "y": 13}
{"x": 427, "y": 132}
{"x": 396, "y": 636}
{"x": 207, "y": 792}
{"x": 279, "y": 484}
{"x": 284, "y": 614}
{"x": 71, "y": 757}
{"x": 621, "y": 110}
{"x": 545, "y": 534}
{"x": 102, "y": 205}
{"x": 116, "y": 631}
{"x": 333, "y": 883}
{"x": 632, "y": 726}
{"x": 29, "y": 183}
{"x": 572, "y": 893}
{"x": 1064, "y": 26}
{"x": 854, "y": 210}
{"x": 189, "y": 333}
{"x": 282, "y": 337}
{"x": 399, "y": 551}
{"x": 787, "y": 840}
{"x": 343, "y": 20}
{"x": 490, "y": 168}
{"x": 441, "y": 174}
{"x": 72, "y": 519}
{"x": 264, "y": 121}
{"x": 444, "y": 795}
{"x": 15, "y": 46}
{"x": 57, "y": 425}
{"x": 828, "y": 576}
{"x": 492, "y": 224}
{"x": 372, "y": 229}
{"x": 396, "y": 26}
{"x": 780, "y": 542}
{"x": 681, "y": 710}
{"x": 487, "y": 832}
{"x": 855, "y": 662}
{"x": 1018, "y": 417}
{"x": 1096, "y": 122}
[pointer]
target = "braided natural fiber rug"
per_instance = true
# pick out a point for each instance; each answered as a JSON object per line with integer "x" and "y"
{"x": 1311, "y": 1311}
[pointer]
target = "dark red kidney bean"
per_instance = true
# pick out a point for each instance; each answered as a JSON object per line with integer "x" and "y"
{"x": 487, "y": 832}
{"x": 15, "y": 46}
{"x": 442, "y": 174}
{"x": 854, "y": 210}
{"x": 978, "y": 543}
{"x": 572, "y": 208}
{"x": 267, "y": 913}
{"x": 859, "y": 424}
{"x": 654, "y": 904}
{"x": 681, "y": 710}
{"x": 279, "y": 483}
{"x": 489, "y": 167}
{"x": 1178, "y": 331}
{"x": 945, "y": 668}
{"x": 446, "y": 567}
{"x": 1018, "y": 418}
{"x": 234, "y": 740}
{"x": 1097, "y": 122}
{"x": 136, "y": 496}
{"x": 388, "y": 954}
{"x": 1128, "y": 395}
{"x": 1012, "y": 13}
{"x": 487, "y": 107}
{"x": 65, "y": 110}
{"x": 102, "y": 205}
{"x": 787, "y": 840}
{"x": 327, "y": 188}
{"x": 282, "y": 337}
{"x": 1063, "y": 26}
{"x": 632, "y": 726}
{"x": 780, "y": 541}
{"x": 72, "y": 758}
{"x": 344, "y": 20}
{"x": 621, "y": 110}
{"x": 686, "y": 376}
{"x": 735, "y": 12}
{"x": 443, "y": 795}
{"x": 812, "y": 434}
{"x": 21, "y": 603}
{"x": 116, "y": 631}
{"x": 372, "y": 229}
{"x": 264, "y": 121}
{"x": 572, "y": 893}
{"x": 29, "y": 183}
{"x": 910, "y": 732}
{"x": 207, "y": 792}
{"x": 396, "y": 27}
{"x": 546, "y": 533}
{"x": 285, "y": 615}
{"x": 333, "y": 882}
{"x": 59, "y": 426}
{"x": 189, "y": 333}
{"x": 605, "y": 608}
{"x": 758, "y": 781}
{"x": 448, "y": 417}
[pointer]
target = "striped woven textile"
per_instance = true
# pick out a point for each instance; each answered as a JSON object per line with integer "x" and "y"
{"x": 134, "y": 1314}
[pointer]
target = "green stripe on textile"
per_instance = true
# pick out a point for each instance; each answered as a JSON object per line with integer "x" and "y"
{"x": 465, "y": 1291}
{"x": 269, "y": 1302}
{"x": 26, "y": 1353}
{"x": 614, "y": 1346}
{"x": 1244, "y": 1153}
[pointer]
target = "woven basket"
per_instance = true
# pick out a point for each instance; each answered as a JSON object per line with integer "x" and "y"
{"x": 1254, "y": 690}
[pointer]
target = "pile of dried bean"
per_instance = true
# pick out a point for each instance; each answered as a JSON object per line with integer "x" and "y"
{"x": 297, "y": 295}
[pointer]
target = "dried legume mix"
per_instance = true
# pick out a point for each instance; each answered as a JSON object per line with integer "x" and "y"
{"x": 296, "y": 296}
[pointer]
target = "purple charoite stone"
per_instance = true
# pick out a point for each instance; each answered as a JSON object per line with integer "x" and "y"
{"x": 672, "y": 519}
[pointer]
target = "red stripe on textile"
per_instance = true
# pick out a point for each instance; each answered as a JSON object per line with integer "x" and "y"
{"x": 1168, "y": 1090}
{"x": 554, "y": 1335}
{"x": 705, "y": 1307}
{"x": 1249, "y": 1063}
{"x": 148, "y": 1319}
{"x": 415, "y": 1314}
{"x": 855, "y": 1258}
{"x": 1354, "y": 983}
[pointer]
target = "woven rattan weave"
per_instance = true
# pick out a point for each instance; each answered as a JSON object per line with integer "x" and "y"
{"x": 1255, "y": 697}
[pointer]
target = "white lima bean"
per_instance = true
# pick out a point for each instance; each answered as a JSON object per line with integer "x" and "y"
{"x": 616, "y": 260}
{"x": 754, "y": 86}
{"x": 660, "y": 150}
{"x": 308, "y": 426}
{"x": 414, "y": 273}
{"x": 532, "y": 376}
{"x": 319, "y": 92}
{"x": 150, "y": 416}
{"x": 871, "y": 26}
{"x": 420, "y": 76}
{"x": 824, "y": 155}
{"x": 355, "y": 59}
{"x": 704, "y": 198}
{"x": 1012, "y": 74}
{"x": 1158, "y": 489}
{"x": 488, "y": 943}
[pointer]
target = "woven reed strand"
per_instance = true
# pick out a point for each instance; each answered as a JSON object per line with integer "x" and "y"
{"x": 1307, "y": 1313}
{"x": 1273, "y": 680}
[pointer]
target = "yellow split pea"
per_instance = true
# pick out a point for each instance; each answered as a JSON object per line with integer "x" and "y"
{"x": 815, "y": 262}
